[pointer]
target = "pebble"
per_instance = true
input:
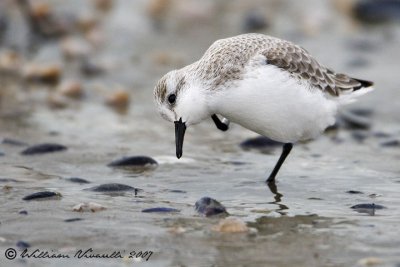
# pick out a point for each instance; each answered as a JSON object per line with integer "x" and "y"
{"x": 119, "y": 99}
{"x": 48, "y": 73}
{"x": 209, "y": 207}
{"x": 354, "y": 192}
{"x": 371, "y": 11}
{"x": 10, "y": 61}
{"x": 254, "y": 20}
{"x": 90, "y": 68}
{"x": 77, "y": 180}
{"x": 90, "y": 206}
{"x": 71, "y": 89}
{"x": 369, "y": 261}
{"x": 391, "y": 143}
{"x": 112, "y": 187}
{"x": 73, "y": 220}
{"x": 43, "y": 148}
{"x": 103, "y": 5}
{"x": 231, "y": 225}
{"x": 23, "y": 245}
{"x": 57, "y": 101}
{"x": 42, "y": 195}
{"x": 23, "y": 212}
{"x": 259, "y": 142}
{"x": 13, "y": 142}
{"x": 160, "y": 210}
{"x": 8, "y": 180}
{"x": 73, "y": 48}
{"x": 177, "y": 230}
{"x": 134, "y": 162}
{"x": 359, "y": 135}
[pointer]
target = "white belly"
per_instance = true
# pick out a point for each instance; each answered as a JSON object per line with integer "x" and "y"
{"x": 270, "y": 102}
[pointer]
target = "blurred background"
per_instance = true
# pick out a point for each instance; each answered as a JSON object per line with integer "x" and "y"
{"x": 81, "y": 74}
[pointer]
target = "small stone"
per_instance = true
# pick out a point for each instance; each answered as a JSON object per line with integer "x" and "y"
{"x": 359, "y": 135}
{"x": 354, "y": 192}
{"x": 160, "y": 210}
{"x": 118, "y": 99}
{"x": 8, "y": 180}
{"x": 87, "y": 22}
{"x": 73, "y": 220}
{"x": 91, "y": 206}
{"x": 43, "y": 195}
{"x": 112, "y": 187}
{"x": 370, "y": 11}
{"x": 57, "y": 101}
{"x": 103, "y": 5}
{"x": 23, "y": 212}
{"x": 43, "y": 148}
{"x": 13, "y": 142}
{"x": 370, "y": 261}
{"x": 391, "y": 143}
{"x": 10, "y": 61}
{"x": 77, "y": 180}
{"x": 72, "y": 89}
{"x": 176, "y": 230}
{"x": 90, "y": 68}
{"x": 254, "y": 20}
{"x": 134, "y": 162}
{"x": 231, "y": 225}
{"x": 73, "y": 48}
{"x": 209, "y": 207}
{"x": 23, "y": 245}
{"x": 49, "y": 73}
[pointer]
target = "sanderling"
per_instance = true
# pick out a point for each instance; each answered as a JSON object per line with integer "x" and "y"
{"x": 268, "y": 85}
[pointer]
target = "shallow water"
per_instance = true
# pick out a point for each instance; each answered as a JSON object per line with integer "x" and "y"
{"x": 306, "y": 222}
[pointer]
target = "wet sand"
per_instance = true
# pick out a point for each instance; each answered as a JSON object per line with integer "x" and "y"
{"x": 308, "y": 221}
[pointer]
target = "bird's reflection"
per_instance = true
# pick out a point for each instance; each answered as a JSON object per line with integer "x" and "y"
{"x": 278, "y": 198}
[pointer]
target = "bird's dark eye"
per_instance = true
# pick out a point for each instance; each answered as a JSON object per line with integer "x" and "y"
{"x": 171, "y": 98}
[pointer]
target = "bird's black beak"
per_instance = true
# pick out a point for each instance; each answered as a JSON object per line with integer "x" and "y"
{"x": 180, "y": 129}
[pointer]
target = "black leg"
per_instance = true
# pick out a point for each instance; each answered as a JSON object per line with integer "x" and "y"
{"x": 221, "y": 125}
{"x": 285, "y": 152}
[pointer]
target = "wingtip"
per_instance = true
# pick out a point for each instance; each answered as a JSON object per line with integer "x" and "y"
{"x": 364, "y": 83}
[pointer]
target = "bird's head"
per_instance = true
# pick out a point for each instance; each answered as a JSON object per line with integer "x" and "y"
{"x": 182, "y": 100}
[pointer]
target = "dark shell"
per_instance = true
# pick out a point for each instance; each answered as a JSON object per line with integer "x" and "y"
{"x": 73, "y": 220}
{"x": 354, "y": 192}
{"x": 43, "y": 148}
{"x": 8, "y": 180}
{"x": 77, "y": 180}
{"x": 23, "y": 212}
{"x": 112, "y": 187}
{"x": 13, "y": 142}
{"x": 391, "y": 143}
{"x": 135, "y": 161}
{"x": 42, "y": 195}
{"x": 160, "y": 209}
{"x": 209, "y": 207}
{"x": 370, "y": 11}
{"x": 22, "y": 244}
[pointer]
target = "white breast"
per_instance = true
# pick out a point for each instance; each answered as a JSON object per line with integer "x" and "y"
{"x": 272, "y": 103}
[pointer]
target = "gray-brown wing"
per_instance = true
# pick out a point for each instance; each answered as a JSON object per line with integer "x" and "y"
{"x": 301, "y": 64}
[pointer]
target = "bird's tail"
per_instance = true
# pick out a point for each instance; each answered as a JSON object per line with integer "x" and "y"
{"x": 350, "y": 97}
